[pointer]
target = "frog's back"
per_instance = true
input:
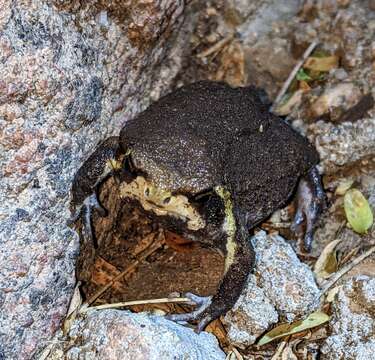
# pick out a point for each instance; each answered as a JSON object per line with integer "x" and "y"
{"x": 191, "y": 131}
{"x": 187, "y": 131}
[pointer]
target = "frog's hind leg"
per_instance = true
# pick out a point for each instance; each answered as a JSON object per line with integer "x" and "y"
{"x": 310, "y": 204}
{"x": 239, "y": 260}
{"x": 238, "y": 266}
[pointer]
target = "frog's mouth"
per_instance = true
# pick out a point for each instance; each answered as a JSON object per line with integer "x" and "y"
{"x": 162, "y": 202}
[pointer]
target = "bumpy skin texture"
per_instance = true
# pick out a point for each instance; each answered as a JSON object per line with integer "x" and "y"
{"x": 93, "y": 170}
{"x": 208, "y": 136}
{"x": 208, "y": 133}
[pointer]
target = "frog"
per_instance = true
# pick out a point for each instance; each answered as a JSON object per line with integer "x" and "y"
{"x": 208, "y": 162}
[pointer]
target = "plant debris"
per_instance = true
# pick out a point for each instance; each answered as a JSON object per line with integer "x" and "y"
{"x": 327, "y": 261}
{"x": 315, "y": 319}
{"x": 358, "y": 211}
{"x": 323, "y": 64}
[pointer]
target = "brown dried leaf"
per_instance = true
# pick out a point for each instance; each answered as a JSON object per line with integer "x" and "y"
{"x": 284, "y": 108}
{"x": 104, "y": 272}
{"x": 344, "y": 186}
{"x": 234, "y": 355}
{"x": 324, "y": 64}
{"x": 143, "y": 244}
{"x": 315, "y": 319}
{"x": 327, "y": 261}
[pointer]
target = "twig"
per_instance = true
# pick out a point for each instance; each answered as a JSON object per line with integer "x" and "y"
{"x": 280, "y": 349}
{"x": 130, "y": 268}
{"x": 138, "y": 302}
{"x": 336, "y": 276}
{"x": 278, "y": 225}
{"x": 216, "y": 47}
{"x": 291, "y": 76}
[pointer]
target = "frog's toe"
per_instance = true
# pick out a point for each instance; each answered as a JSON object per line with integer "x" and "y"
{"x": 311, "y": 203}
{"x": 75, "y": 216}
{"x": 298, "y": 221}
{"x": 92, "y": 202}
{"x": 199, "y": 314}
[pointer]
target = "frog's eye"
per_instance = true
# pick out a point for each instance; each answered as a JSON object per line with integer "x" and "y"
{"x": 147, "y": 192}
{"x": 167, "y": 200}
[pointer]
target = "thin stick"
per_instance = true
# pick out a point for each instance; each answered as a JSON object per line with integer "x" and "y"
{"x": 280, "y": 349}
{"x": 138, "y": 302}
{"x": 130, "y": 268}
{"x": 336, "y": 276}
{"x": 216, "y": 47}
{"x": 291, "y": 76}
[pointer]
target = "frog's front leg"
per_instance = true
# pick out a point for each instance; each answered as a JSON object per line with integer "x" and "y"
{"x": 239, "y": 261}
{"x": 103, "y": 161}
{"x": 310, "y": 204}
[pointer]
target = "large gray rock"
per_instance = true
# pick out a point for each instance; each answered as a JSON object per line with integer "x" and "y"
{"x": 353, "y": 323}
{"x": 251, "y": 316}
{"x": 71, "y": 73}
{"x": 282, "y": 286}
{"x": 115, "y": 334}
{"x": 288, "y": 283}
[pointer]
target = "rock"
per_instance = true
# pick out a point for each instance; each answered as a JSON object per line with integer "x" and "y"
{"x": 281, "y": 286}
{"x": 353, "y": 323}
{"x": 342, "y": 96}
{"x": 269, "y": 59}
{"x": 341, "y": 144}
{"x": 265, "y": 13}
{"x": 116, "y": 334}
{"x": 71, "y": 73}
{"x": 287, "y": 282}
{"x": 251, "y": 316}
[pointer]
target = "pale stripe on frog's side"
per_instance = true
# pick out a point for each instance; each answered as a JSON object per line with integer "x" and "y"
{"x": 229, "y": 226}
{"x": 162, "y": 202}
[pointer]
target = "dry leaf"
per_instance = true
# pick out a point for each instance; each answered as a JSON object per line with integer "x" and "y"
{"x": 315, "y": 319}
{"x": 327, "y": 261}
{"x": 74, "y": 305}
{"x": 344, "y": 186}
{"x": 288, "y": 354}
{"x": 234, "y": 355}
{"x": 104, "y": 272}
{"x": 358, "y": 211}
{"x": 332, "y": 293}
{"x": 286, "y": 107}
{"x": 279, "y": 350}
{"x": 324, "y": 64}
{"x": 76, "y": 300}
{"x": 304, "y": 86}
{"x": 144, "y": 244}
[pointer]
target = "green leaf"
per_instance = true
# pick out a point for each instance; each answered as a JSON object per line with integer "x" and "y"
{"x": 315, "y": 319}
{"x": 302, "y": 76}
{"x": 358, "y": 211}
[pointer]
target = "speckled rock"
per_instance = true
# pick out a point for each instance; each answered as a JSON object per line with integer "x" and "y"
{"x": 251, "y": 316}
{"x": 353, "y": 323}
{"x": 268, "y": 57}
{"x": 116, "y": 334}
{"x": 288, "y": 283}
{"x": 282, "y": 287}
{"x": 344, "y": 143}
{"x": 71, "y": 73}
{"x": 343, "y": 95}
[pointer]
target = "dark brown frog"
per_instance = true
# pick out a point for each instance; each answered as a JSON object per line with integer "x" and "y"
{"x": 208, "y": 162}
